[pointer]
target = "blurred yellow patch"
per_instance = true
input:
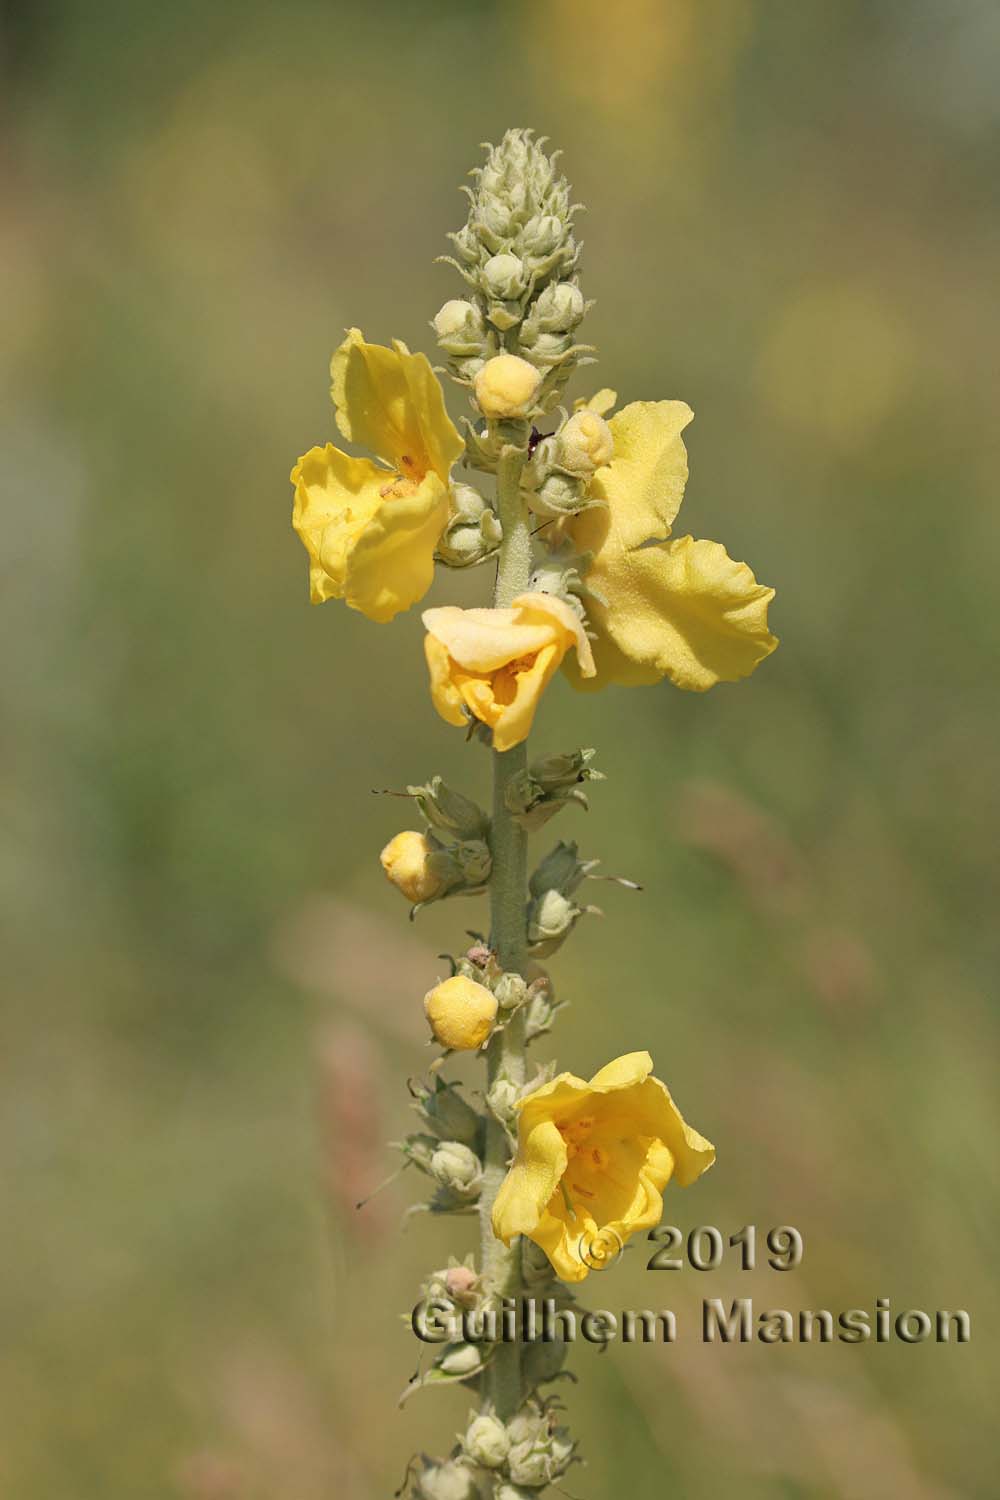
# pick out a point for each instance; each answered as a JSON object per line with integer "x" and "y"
{"x": 836, "y": 363}
{"x": 371, "y": 530}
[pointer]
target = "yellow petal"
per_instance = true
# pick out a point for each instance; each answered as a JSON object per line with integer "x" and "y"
{"x": 657, "y": 1115}
{"x": 546, "y": 607}
{"x": 512, "y": 723}
{"x": 533, "y": 1178}
{"x": 643, "y": 485}
{"x": 370, "y": 543}
{"x": 683, "y": 610}
{"x": 444, "y": 691}
{"x": 602, "y": 401}
{"x": 390, "y": 401}
{"x": 483, "y": 640}
{"x": 335, "y": 496}
{"x": 391, "y": 564}
{"x": 623, "y": 1072}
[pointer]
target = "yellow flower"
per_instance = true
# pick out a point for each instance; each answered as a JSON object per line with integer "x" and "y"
{"x": 406, "y": 860}
{"x": 592, "y": 1162}
{"x": 461, "y": 1013}
{"x": 677, "y": 608}
{"x": 371, "y": 530}
{"x": 495, "y": 663}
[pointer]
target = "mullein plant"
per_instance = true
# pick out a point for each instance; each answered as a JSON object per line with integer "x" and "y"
{"x": 572, "y": 508}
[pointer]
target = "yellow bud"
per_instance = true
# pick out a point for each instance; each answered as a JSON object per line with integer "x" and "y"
{"x": 585, "y": 443}
{"x": 405, "y": 860}
{"x": 461, "y": 1013}
{"x": 506, "y": 386}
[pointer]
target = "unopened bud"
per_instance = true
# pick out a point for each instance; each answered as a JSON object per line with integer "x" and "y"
{"x": 585, "y": 443}
{"x": 445, "y": 1112}
{"x": 460, "y": 1359}
{"x": 486, "y": 1441}
{"x": 559, "y": 308}
{"x": 407, "y": 861}
{"x": 562, "y": 869}
{"x": 542, "y": 234}
{"x": 461, "y": 1282}
{"x": 510, "y": 991}
{"x": 449, "y": 811}
{"x": 506, "y": 386}
{"x": 504, "y": 277}
{"x": 447, "y": 1481}
{"x": 455, "y": 1166}
{"x": 558, "y": 495}
{"x": 473, "y": 533}
{"x": 502, "y": 1100}
{"x": 460, "y": 328}
{"x": 461, "y": 1013}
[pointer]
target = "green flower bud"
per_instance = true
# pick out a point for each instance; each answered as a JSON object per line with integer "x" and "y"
{"x": 460, "y": 1359}
{"x": 552, "y": 772}
{"x": 534, "y": 1465}
{"x": 520, "y": 211}
{"x": 475, "y": 863}
{"x": 445, "y": 1112}
{"x": 486, "y": 1441}
{"x": 466, "y": 245}
{"x": 542, "y": 234}
{"x": 547, "y": 348}
{"x": 419, "y": 1149}
{"x": 447, "y": 1481}
{"x": 474, "y": 531}
{"x": 585, "y": 444}
{"x": 503, "y": 277}
{"x": 529, "y": 1424}
{"x": 510, "y": 991}
{"x": 460, "y": 328}
{"x": 449, "y": 811}
{"x": 454, "y": 1165}
{"x": 561, "y": 870}
{"x": 559, "y": 308}
{"x": 558, "y": 495}
{"x": 504, "y": 315}
{"x": 468, "y": 369}
{"x": 543, "y": 1008}
{"x": 551, "y": 918}
{"x": 502, "y": 1099}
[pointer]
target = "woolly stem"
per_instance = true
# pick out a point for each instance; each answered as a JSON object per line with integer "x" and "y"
{"x": 508, "y": 935}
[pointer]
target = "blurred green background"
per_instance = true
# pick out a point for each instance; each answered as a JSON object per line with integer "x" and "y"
{"x": 213, "y": 998}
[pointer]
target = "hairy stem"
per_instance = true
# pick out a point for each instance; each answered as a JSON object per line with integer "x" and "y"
{"x": 508, "y": 935}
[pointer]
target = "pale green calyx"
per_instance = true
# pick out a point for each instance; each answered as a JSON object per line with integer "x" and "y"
{"x": 460, "y": 329}
{"x": 449, "y": 1480}
{"x": 550, "y": 783}
{"x": 457, "y": 1167}
{"x": 449, "y": 812}
{"x": 485, "y": 1440}
{"x": 473, "y": 533}
{"x": 445, "y": 1113}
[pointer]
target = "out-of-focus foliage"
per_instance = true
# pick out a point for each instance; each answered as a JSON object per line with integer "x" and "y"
{"x": 212, "y": 996}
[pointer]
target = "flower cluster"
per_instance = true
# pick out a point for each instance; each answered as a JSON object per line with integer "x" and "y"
{"x": 591, "y": 582}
